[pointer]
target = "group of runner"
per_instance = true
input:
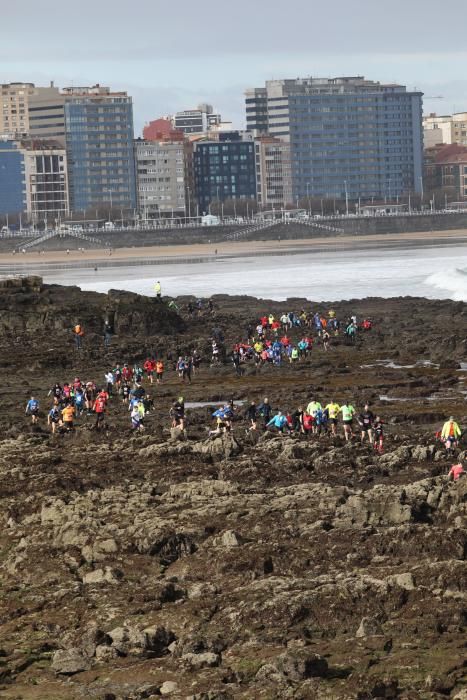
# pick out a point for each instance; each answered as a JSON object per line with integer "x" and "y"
{"x": 74, "y": 399}
{"x": 68, "y": 402}
{"x": 269, "y": 341}
{"x": 71, "y": 400}
{"x": 314, "y": 419}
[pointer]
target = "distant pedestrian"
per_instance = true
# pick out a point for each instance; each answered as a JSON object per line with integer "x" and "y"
{"x": 78, "y": 333}
{"x": 107, "y": 334}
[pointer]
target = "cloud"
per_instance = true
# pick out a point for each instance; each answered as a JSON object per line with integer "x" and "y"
{"x": 174, "y": 58}
{"x": 116, "y": 30}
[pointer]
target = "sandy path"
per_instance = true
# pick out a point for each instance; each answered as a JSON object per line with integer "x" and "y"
{"x": 232, "y": 248}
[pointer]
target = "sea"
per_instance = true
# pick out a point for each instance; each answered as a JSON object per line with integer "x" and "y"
{"x": 434, "y": 272}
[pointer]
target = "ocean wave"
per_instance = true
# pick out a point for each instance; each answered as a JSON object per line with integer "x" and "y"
{"x": 452, "y": 280}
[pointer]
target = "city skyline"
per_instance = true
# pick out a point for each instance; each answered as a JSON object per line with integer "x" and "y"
{"x": 190, "y": 62}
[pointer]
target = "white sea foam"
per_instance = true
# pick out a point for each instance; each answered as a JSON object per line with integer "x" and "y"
{"x": 454, "y": 281}
{"x": 351, "y": 274}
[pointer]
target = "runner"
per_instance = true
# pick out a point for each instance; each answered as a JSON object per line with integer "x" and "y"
{"x": 149, "y": 367}
{"x": 265, "y": 410}
{"x": 137, "y": 416}
{"x": 32, "y": 409}
{"x": 450, "y": 434}
{"x": 79, "y": 401}
{"x": 68, "y": 414}
{"x": 379, "y": 434}
{"x": 297, "y": 420}
{"x": 252, "y": 414}
{"x": 78, "y": 333}
{"x": 177, "y": 412}
{"x": 223, "y": 418}
{"x": 365, "y": 420}
{"x": 348, "y": 412}
{"x": 127, "y": 373}
{"x": 159, "y": 371}
{"x": 312, "y": 409}
{"x": 99, "y": 409}
{"x": 53, "y": 418}
{"x": 332, "y": 409}
{"x": 109, "y": 378}
{"x": 126, "y": 389}
{"x": 107, "y": 334}
{"x": 280, "y": 423}
{"x": 308, "y": 422}
{"x": 117, "y": 372}
{"x": 321, "y": 422}
{"x": 456, "y": 472}
{"x": 89, "y": 396}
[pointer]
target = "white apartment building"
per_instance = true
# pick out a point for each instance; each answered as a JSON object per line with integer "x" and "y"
{"x": 437, "y": 130}
{"x": 160, "y": 178}
{"x": 273, "y": 172}
{"x": 45, "y": 169}
{"x": 447, "y": 129}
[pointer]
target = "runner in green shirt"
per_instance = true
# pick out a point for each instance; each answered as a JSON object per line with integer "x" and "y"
{"x": 312, "y": 409}
{"x": 348, "y": 412}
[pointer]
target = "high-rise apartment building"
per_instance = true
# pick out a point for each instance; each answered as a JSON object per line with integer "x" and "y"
{"x": 160, "y": 177}
{"x": 14, "y": 101}
{"x": 29, "y": 110}
{"x": 46, "y": 178}
{"x": 99, "y": 143}
{"x": 33, "y": 179}
{"x": 95, "y": 124}
{"x": 273, "y": 172}
{"x": 349, "y": 137}
{"x": 224, "y": 169}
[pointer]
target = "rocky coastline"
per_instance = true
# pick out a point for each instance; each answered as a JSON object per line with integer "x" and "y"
{"x": 250, "y": 565}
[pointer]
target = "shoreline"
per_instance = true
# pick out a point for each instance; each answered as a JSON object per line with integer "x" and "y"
{"x": 206, "y": 252}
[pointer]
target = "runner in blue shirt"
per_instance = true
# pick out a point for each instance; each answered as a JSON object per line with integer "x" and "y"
{"x": 280, "y": 422}
{"x": 32, "y": 409}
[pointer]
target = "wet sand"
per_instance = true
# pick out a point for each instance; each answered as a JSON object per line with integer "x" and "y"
{"x": 232, "y": 248}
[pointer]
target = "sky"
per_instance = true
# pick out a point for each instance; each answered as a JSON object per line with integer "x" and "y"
{"x": 172, "y": 56}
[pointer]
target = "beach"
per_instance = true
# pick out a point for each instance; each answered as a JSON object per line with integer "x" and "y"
{"x": 230, "y": 248}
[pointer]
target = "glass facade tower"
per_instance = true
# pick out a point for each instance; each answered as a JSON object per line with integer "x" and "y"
{"x": 99, "y": 141}
{"x": 348, "y": 136}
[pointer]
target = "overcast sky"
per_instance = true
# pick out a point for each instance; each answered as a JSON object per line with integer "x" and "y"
{"x": 172, "y": 56}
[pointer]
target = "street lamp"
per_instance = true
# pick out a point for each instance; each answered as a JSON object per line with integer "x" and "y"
{"x": 111, "y": 205}
{"x": 308, "y": 196}
{"x": 189, "y": 203}
{"x": 346, "y": 198}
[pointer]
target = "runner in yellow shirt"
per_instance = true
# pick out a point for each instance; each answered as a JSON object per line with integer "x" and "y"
{"x": 333, "y": 411}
